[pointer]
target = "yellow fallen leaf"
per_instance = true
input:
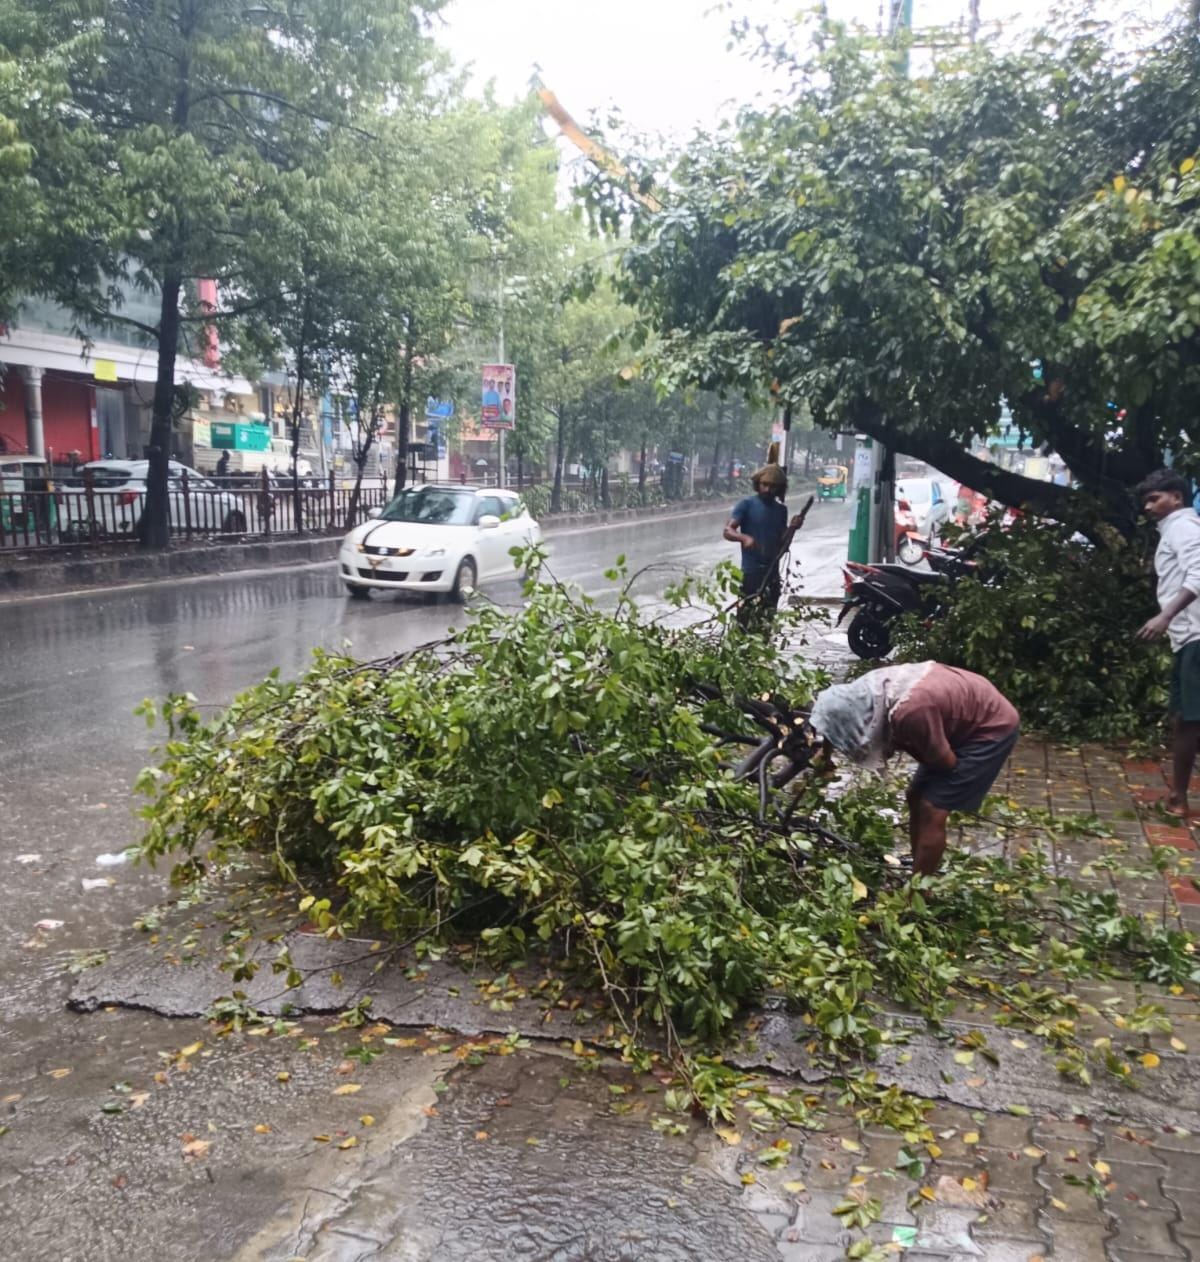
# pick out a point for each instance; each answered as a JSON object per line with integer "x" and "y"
{"x": 969, "y": 1185}
{"x": 347, "y": 1088}
{"x": 1057, "y": 1203}
{"x": 138, "y": 1098}
{"x": 851, "y": 1145}
{"x": 858, "y": 1180}
{"x": 283, "y": 1076}
{"x": 262, "y": 1129}
{"x": 577, "y": 1047}
{"x": 481, "y": 1135}
{"x": 1102, "y": 1167}
{"x": 191, "y": 1049}
{"x": 858, "y": 890}
{"x": 1150, "y": 1060}
{"x": 971, "y": 1137}
{"x": 1020, "y": 1043}
{"x": 1034, "y": 1152}
{"x": 367, "y": 1119}
{"x": 321, "y": 1139}
{"x": 928, "y": 1193}
{"x": 794, "y": 1186}
{"x": 748, "y": 1178}
{"x": 729, "y": 1135}
{"x": 196, "y": 1148}
{"x": 1179, "y": 1045}
{"x": 1188, "y": 164}
{"x": 59, "y": 1073}
{"x": 350, "y": 1142}
{"x": 934, "y": 1150}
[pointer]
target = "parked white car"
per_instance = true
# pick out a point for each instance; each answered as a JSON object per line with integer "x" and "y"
{"x": 437, "y": 539}
{"x": 119, "y": 488}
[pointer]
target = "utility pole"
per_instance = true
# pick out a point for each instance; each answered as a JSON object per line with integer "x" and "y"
{"x": 501, "y": 471}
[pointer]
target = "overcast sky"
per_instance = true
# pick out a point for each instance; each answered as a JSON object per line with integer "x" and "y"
{"x": 662, "y": 62}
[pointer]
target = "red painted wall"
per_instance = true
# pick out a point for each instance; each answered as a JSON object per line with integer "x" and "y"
{"x": 67, "y": 417}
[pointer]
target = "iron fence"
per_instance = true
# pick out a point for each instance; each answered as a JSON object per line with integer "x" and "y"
{"x": 85, "y": 510}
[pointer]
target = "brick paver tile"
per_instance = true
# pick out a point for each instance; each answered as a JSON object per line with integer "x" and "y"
{"x": 1169, "y": 835}
{"x": 1144, "y": 1231}
{"x": 1185, "y": 892}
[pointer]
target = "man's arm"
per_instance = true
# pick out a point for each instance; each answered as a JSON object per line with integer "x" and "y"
{"x": 734, "y": 535}
{"x": 1189, "y": 562}
{"x": 919, "y": 732}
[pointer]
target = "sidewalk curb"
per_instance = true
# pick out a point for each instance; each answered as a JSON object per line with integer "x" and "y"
{"x": 51, "y": 577}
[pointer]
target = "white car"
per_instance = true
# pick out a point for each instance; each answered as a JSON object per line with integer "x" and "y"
{"x": 437, "y": 539}
{"x": 924, "y": 498}
{"x": 119, "y": 495}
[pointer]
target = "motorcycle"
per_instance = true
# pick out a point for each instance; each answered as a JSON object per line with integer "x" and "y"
{"x": 882, "y": 593}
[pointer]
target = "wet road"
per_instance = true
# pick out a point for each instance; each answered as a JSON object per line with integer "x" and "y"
{"x": 75, "y": 666}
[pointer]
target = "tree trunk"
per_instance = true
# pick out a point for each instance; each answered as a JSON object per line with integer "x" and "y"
{"x": 154, "y": 528}
{"x": 714, "y": 470}
{"x": 297, "y": 416}
{"x": 1044, "y": 499}
{"x": 559, "y": 458}
{"x": 642, "y": 472}
{"x": 605, "y": 496}
{"x": 361, "y": 452}
{"x": 520, "y": 470}
{"x": 404, "y": 421}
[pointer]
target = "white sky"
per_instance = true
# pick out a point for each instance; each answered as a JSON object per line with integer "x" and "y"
{"x": 664, "y": 63}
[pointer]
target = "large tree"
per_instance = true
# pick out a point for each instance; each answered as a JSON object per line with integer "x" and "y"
{"x": 904, "y": 254}
{"x": 191, "y": 111}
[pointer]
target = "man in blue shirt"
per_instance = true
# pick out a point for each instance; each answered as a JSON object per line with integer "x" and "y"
{"x": 760, "y": 524}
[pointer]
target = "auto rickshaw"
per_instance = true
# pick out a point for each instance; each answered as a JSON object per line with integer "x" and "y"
{"x": 28, "y": 513}
{"x": 831, "y": 485}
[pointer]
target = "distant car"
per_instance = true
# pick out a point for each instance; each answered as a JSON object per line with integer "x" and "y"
{"x": 119, "y": 496}
{"x": 924, "y": 499}
{"x": 437, "y": 539}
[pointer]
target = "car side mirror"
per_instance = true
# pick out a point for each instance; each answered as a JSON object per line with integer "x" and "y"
{"x": 489, "y": 521}
{"x": 375, "y": 512}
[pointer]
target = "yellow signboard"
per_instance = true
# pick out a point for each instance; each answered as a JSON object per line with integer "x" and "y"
{"x": 105, "y": 370}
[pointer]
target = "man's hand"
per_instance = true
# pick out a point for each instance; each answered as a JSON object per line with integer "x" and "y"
{"x": 796, "y": 522}
{"x": 1154, "y": 627}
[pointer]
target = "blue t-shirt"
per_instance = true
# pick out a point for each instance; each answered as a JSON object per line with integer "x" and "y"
{"x": 765, "y": 521}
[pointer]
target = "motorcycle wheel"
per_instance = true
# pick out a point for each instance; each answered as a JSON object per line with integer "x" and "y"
{"x": 868, "y": 637}
{"x": 910, "y": 552}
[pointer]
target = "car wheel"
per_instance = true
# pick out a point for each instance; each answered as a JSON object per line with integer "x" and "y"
{"x": 868, "y": 637}
{"x": 356, "y": 591}
{"x": 910, "y": 552}
{"x": 234, "y": 523}
{"x": 464, "y": 581}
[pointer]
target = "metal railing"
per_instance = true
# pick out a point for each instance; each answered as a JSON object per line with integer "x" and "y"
{"x": 85, "y": 511}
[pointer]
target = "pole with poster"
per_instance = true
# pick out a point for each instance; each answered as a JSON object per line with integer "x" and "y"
{"x": 498, "y": 408}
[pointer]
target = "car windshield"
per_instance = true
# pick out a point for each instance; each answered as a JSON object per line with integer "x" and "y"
{"x": 437, "y": 507}
{"x": 831, "y": 471}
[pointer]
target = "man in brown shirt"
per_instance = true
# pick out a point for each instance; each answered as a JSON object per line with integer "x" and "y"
{"x": 957, "y": 725}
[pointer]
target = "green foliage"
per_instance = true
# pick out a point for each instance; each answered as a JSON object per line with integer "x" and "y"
{"x": 898, "y": 250}
{"x": 544, "y": 783}
{"x": 1052, "y": 625}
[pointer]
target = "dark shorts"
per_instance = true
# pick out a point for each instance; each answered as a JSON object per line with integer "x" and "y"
{"x": 964, "y": 788}
{"x": 1185, "y": 682}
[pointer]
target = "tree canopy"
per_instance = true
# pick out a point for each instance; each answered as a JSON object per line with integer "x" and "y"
{"x": 905, "y": 254}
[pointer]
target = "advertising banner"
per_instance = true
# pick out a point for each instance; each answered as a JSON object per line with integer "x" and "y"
{"x": 499, "y": 400}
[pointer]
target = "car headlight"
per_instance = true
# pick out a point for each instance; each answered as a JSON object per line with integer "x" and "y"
{"x": 436, "y": 552}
